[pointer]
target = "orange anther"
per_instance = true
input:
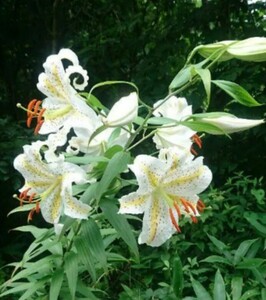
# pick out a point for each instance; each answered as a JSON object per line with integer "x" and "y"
{"x": 194, "y": 152}
{"x": 194, "y": 219}
{"x": 177, "y": 209}
{"x": 187, "y": 205}
{"x": 37, "y": 209}
{"x": 37, "y": 128}
{"x": 174, "y": 221}
{"x": 31, "y": 106}
{"x": 39, "y": 118}
{"x": 30, "y": 215}
{"x": 36, "y": 107}
{"x": 31, "y": 197}
{"x": 200, "y": 206}
{"x": 196, "y": 139}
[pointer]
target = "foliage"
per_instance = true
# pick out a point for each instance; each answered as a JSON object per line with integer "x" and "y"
{"x": 221, "y": 257}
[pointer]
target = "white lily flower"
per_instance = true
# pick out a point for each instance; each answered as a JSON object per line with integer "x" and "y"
{"x": 168, "y": 188}
{"x": 63, "y": 106}
{"x": 178, "y": 135}
{"x": 231, "y": 124}
{"x": 123, "y": 112}
{"x": 100, "y": 143}
{"x": 50, "y": 184}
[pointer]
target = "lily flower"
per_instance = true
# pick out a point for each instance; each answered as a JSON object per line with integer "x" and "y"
{"x": 168, "y": 188}
{"x": 230, "y": 124}
{"x": 50, "y": 184}
{"x": 100, "y": 143}
{"x": 123, "y": 112}
{"x": 63, "y": 106}
{"x": 178, "y": 135}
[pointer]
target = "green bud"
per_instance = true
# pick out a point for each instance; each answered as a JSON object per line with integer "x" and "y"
{"x": 252, "y": 49}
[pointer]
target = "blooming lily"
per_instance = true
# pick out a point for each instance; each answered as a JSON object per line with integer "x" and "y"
{"x": 178, "y": 135}
{"x": 63, "y": 106}
{"x": 230, "y": 124}
{"x": 50, "y": 184}
{"x": 123, "y": 112}
{"x": 168, "y": 188}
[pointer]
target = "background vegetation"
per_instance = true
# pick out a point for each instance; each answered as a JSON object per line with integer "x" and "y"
{"x": 147, "y": 42}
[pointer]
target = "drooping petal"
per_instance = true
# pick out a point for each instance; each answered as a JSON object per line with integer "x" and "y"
{"x": 72, "y": 207}
{"x": 157, "y": 227}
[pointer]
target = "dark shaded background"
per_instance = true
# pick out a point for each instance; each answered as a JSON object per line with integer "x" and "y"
{"x": 142, "y": 41}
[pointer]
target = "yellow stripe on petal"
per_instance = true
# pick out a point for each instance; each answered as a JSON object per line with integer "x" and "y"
{"x": 184, "y": 179}
{"x": 56, "y": 205}
{"x": 154, "y": 219}
{"x": 135, "y": 202}
{"x": 60, "y": 112}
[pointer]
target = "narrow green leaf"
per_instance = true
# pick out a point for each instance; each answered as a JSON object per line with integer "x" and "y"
{"x": 35, "y": 231}
{"x": 96, "y": 132}
{"x": 205, "y": 76}
{"x": 216, "y": 259}
{"x": 178, "y": 278}
{"x": 120, "y": 223}
{"x": 112, "y": 82}
{"x": 85, "y": 256}
{"x": 250, "y": 294}
{"x": 200, "y": 291}
{"x": 259, "y": 275}
{"x": 210, "y": 115}
{"x": 250, "y": 263}
{"x": 71, "y": 269}
{"x": 237, "y": 92}
{"x": 263, "y": 294}
{"x": 92, "y": 235}
{"x": 221, "y": 247}
{"x": 219, "y": 292}
{"x": 202, "y": 127}
{"x": 181, "y": 78}
{"x": 25, "y": 207}
{"x": 256, "y": 221}
{"x": 84, "y": 160}
{"x": 86, "y": 291}
{"x": 56, "y": 284}
{"x": 21, "y": 287}
{"x": 242, "y": 250}
{"x": 236, "y": 286}
{"x": 116, "y": 165}
{"x": 93, "y": 101}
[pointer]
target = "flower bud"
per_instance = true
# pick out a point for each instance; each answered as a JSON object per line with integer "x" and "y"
{"x": 212, "y": 51}
{"x": 252, "y": 49}
{"x": 123, "y": 112}
{"x": 230, "y": 124}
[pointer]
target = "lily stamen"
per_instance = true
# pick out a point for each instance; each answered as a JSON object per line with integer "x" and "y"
{"x": 174, "y": 220}
{"x": 197, "y": 140}
{"x": 200, "y": 206}
{"x": 188, "y": 206}
{"x": 35, "y": 111}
